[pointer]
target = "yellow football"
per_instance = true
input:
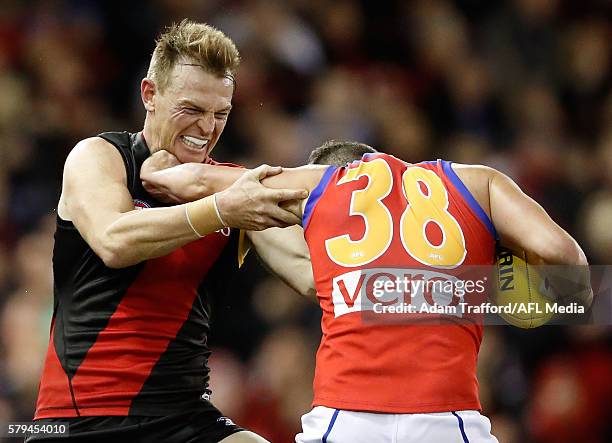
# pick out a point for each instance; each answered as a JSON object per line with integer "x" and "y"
{"x": 523, "y": 298}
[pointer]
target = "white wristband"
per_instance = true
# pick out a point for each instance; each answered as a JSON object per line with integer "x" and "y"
{"x": 217, "y": 211}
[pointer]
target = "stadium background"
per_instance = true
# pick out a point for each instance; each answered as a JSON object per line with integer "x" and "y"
{"x": 521, "y": 85}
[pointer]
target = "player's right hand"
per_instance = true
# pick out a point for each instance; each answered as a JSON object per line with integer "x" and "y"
{"x": 248, "y": 204}
{"x": 161, "y": 159}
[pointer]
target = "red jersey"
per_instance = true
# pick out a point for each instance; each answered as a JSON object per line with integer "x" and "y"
{"x": 367, "y": 225}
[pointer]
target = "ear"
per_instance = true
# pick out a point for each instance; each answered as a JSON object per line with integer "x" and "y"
{"x": 147, "y": 93}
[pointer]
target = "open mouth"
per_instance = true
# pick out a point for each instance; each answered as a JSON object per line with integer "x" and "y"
{"x": 195, "y": 143}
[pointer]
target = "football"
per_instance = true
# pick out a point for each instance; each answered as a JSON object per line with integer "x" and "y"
{"x": 525, "y": 299}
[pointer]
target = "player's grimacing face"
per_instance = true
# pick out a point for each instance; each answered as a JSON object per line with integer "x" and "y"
{"x": 191, "y": 112}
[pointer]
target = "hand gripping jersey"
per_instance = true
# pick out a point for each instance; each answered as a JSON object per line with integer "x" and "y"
{"x": 129, "y": 341}
{"x": 375, "y": 221}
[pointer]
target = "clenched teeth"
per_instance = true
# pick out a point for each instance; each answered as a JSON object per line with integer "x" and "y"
{"x": 194, "y": 142}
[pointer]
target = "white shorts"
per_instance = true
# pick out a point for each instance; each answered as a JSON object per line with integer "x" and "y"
{"x": 326, "y": 425}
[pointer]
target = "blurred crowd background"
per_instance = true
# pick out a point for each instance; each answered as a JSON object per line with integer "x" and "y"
{"x": 520, "y": 85}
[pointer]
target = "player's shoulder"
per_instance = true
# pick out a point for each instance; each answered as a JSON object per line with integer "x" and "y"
{"x": 475, "y": 173}
{"x": 477, "y": 179}
{"x": 476, "y": 169}
{"x": 94, "y": 153}
{"x": 93, "y": 148}
{"x": 91, "y": 145}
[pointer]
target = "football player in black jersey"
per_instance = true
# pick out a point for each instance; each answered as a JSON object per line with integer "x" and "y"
{"x": 127, "y": 358}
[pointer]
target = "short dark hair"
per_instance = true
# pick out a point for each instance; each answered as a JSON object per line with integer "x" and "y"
{"x": 339, "y": 152}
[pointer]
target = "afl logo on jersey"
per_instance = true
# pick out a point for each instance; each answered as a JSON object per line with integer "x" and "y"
{"x": 140, "y": 204}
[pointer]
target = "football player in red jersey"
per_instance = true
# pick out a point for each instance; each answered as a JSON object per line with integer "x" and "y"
{"x": 127, "y": 358}
{"x": 370, "y": 215}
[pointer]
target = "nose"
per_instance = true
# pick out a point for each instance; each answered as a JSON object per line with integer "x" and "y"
{"x": 206, "y": 123}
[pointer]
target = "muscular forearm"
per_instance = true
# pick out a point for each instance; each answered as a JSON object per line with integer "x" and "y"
{"x": 140, "y": 235}
{"x": 133, "y": 236}
{"x": 96, "y": 199}
{"x": 189, "y": 181}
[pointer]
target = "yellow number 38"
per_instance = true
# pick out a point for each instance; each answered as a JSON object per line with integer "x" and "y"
{"x": 427, "y": 203}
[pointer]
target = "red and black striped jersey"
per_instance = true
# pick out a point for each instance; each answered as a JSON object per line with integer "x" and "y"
{"x": 129, "y": 341}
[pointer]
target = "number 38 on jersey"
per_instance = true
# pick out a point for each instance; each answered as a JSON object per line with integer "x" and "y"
{"x": 427, "y": 203}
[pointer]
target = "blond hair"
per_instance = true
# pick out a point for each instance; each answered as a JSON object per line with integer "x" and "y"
{"x": 194, "y": 44}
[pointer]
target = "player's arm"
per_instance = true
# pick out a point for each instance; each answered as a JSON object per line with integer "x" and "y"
{"x": 96, "y": 199}
{"x": 170, "y": 181}
{"x": 284, "y": 251}
{"x": 521, "y": 222}
{"x": 164, "y": 177}
{"x": 285, "y": 254}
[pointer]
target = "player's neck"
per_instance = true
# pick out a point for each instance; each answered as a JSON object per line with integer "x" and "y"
{"x": 149, "y": 135}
